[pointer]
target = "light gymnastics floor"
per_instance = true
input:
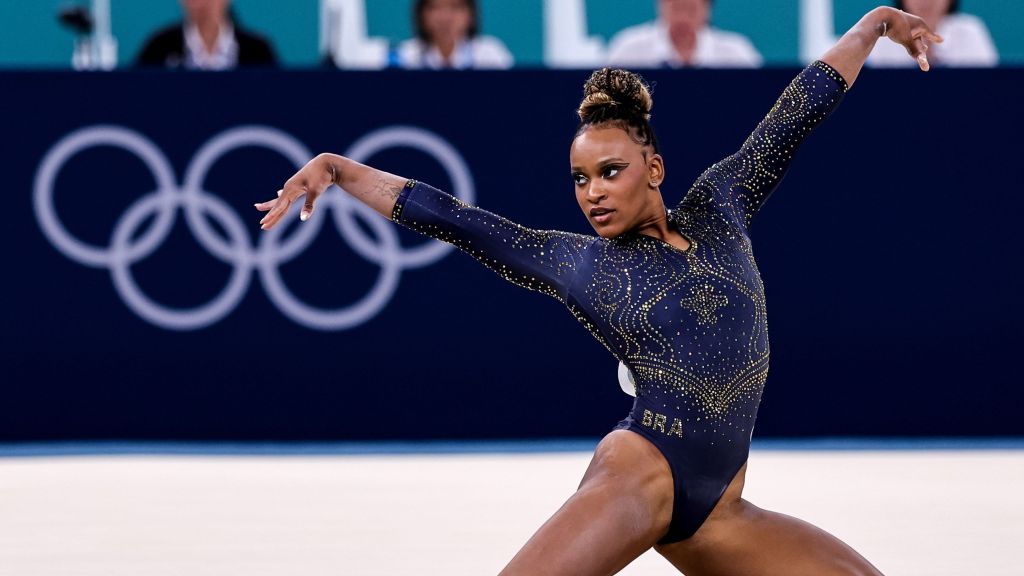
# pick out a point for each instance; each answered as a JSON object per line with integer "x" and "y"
{"x": 913, "y": 512}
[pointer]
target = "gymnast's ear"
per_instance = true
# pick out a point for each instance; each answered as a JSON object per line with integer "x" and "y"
{"x": 655, "y": 170}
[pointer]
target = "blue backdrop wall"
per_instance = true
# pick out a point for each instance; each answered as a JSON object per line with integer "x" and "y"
{"x": 142, "y": 301}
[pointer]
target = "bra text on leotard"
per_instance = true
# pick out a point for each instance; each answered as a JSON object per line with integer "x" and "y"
{"x": 656, "y": 421}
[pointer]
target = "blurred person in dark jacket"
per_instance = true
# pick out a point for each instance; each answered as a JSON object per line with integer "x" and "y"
{"x": 208, "y": 38}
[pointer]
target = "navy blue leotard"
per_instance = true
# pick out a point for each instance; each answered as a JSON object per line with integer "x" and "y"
{"x": 691, "y": 325}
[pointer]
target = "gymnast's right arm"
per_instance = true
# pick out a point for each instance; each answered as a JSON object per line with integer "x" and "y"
{"x": 375, "y": 188}
{"x": 541, "y": 260}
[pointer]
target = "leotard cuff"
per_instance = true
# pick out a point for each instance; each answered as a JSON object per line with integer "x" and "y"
{"x": 831, "y": 73}
{"x": 396, "y": 212}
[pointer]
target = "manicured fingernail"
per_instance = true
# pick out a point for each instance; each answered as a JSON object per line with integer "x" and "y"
{"x": 257, "y": 205}
{"x": 304, "y": 216}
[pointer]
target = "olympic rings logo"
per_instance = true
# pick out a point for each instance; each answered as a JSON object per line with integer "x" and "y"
{"x": 127, "y": 247}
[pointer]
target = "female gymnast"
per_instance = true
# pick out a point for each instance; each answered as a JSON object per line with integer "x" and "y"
{"x": 675, "y": 296}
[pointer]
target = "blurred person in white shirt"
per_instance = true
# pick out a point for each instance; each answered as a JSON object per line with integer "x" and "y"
{"x": 682, "y": 36}
{"x": 447, "y": 36}
{"x": 968, "y": 42}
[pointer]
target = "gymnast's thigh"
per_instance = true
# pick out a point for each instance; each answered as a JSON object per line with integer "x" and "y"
{"x": 621, "y": 509}
{"x": 740, "y": 539}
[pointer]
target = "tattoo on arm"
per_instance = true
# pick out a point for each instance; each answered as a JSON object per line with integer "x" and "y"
{"x": 386, "y": 189}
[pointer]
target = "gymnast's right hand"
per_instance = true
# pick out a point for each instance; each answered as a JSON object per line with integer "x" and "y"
{"x": 309, "y": 182}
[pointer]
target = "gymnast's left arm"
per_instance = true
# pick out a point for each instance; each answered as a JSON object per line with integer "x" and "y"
{"x": 847, "y": 57}
{"x": 741, "y": 183}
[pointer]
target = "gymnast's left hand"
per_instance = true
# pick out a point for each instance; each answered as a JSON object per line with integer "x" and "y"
{"x": 309, "y": 183}
{"x": 912, "y": 33}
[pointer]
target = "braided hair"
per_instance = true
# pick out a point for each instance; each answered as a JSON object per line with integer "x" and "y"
{"x": 620, "y": 98}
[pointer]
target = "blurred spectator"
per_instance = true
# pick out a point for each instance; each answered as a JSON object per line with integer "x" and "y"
{"x": 681, "y": 36}
{"x": 447, "y": 36}
{"x": 967, "y": 41}
{"x": 208, "y": 38}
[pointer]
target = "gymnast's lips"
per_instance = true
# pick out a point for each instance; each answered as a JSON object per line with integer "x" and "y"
{"x": 600, "y": 215}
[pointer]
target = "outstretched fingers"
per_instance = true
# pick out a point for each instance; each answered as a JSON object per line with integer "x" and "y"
{"x": 921, "y": 37}
{"x": 309, "y": 182}
{"x": 278, "y": 208}
{"x": 265, "y": 206}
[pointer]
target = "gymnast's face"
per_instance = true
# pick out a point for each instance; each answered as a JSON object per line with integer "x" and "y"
{"x": 616, "y": 180}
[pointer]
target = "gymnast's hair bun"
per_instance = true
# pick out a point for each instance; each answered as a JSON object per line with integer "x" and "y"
{"x": 612, "y": 94}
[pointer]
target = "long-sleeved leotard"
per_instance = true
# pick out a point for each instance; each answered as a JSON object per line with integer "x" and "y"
{"x": 691, "y": 325}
